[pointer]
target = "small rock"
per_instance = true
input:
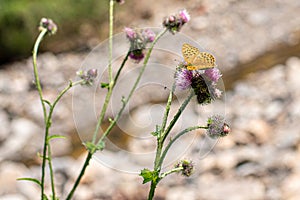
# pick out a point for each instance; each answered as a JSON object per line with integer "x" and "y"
{"x": 9, "y": 173}
{"x": 199, "y": 23}
{"x": 12, "y": 197}
{"x": 179, "y": 193}
{"x": 4, "y": 126}
{"x": 22, "y": 133}
{"x": 290, "y": 187}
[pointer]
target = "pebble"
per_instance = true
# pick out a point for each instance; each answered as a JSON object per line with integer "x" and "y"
{"x": 4, "y": 125}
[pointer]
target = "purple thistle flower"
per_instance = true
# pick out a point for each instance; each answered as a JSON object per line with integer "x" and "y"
{"x": 183, "y": 79}
{"x": 137, "y": 56}
{"x": 138, "y": 41}
{"x": 130, "y": 33}
{"x": 184, "y": 15}
{"x": 213, "y": 74}
{"x": 149, "y": 35}
{"x": 217, "y": 127}
{"x": 175, "y": 22}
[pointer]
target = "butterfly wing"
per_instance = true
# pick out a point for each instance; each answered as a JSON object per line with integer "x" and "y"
{"x": 189, "y": 53}
{"x": 203, "y": 60}
{"x": 196, "y": 59}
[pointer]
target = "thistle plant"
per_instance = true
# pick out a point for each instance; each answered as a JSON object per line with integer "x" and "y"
{"x": 201, "y": 84}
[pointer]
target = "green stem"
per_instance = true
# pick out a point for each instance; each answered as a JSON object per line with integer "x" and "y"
{"x": 86, "y": 163}
{"x": 161, "y": 139}
{"x": 51, "y": 171}
{"x": 111, "y": 31}
{"x": 48, "y": 125}
{"x": 152, "y": 190}
{"x": 35, "y": 70}
{"x": 177, "y": 115}
{"x": 178, "y": 169}
{"x": 163, "y": 155}
{"x": 117, "y": 116}
{"x": 39, "y": 88}
{"x": 107, "y": 99}
{"x": 125, "y": 101}
{"x": 168, "y": 107}
{"x": 110, "y": 75}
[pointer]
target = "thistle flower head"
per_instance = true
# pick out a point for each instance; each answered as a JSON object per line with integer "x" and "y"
{"x": 183, "y": 78}
{"x": 184, "y": 15}
{"x": 217, "y": 127}
{"x": 175, "y": 22}
{"x": 138, "y": 41}
{"x": 49, "y": 25}
{"x": 88, "y": 76}
{"x": 187, "y": 167}
{"x": 213, "y": 74}
{"x": 130, "y": 33}
{"x": 148, "y": 35}
{"x": 204, "y": 83}
{"x": 137, "y": 55}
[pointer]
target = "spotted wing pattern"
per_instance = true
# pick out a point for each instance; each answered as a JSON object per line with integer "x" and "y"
{"x": 196, "y": 59}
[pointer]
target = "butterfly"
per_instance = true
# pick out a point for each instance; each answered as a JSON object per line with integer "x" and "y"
{"x": 195, "y": 59}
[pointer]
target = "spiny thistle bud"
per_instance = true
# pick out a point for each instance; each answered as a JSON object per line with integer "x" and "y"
{"x": 88, "y": 77}
{"x": 138, "y": 40}
{"x": 49, "y": 25}
{"x": 175, "y": 22}
{"x": 187, "y": 167}
{"x": 217, "y": 127}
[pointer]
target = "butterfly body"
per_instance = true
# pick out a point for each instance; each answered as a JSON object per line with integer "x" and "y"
{"x": 197, "y": 60}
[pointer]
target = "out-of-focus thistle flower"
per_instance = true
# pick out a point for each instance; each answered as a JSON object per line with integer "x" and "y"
{"x": 49, "y": 25}
{"x": 187, "y": 167}
{"x": 203, "y": 82}
{"x": 217, "y": 127}
{"x": 88, "y": 76}
{"x": 175, "y": 22}
{"x": 120, "y": 1}
{"x": 138, "y": 40}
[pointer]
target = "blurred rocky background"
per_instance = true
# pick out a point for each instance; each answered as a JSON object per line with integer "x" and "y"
{"x": 257, "y": 46}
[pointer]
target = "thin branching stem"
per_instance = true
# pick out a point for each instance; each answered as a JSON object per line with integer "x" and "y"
{"x": 126, "y": 100}
{"x": 163, "y": 155}
{"x": 39, "y": 88}
{"x": 110, "y": 75}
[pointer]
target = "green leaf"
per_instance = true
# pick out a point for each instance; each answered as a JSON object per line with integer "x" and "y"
{"x": 157, "y": 131}
{"x": 55, "y": 136}
{"x": 104, "y": 85}
{"x": 45, "y": 197}
{"x": 148, "y": 175}
{"x": 93, "y": 147}
{"x": 30, "y": 179}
